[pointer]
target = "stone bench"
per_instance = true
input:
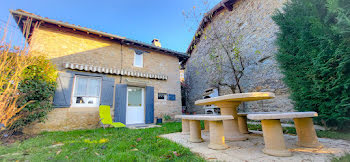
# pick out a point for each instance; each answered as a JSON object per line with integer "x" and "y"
{"x": 242, "y": 121}
{"x": 273, "y": 133}
{"x": 191, "y": 124}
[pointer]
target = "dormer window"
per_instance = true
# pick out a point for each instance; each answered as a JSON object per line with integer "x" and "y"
{"x": 138, "y": 59}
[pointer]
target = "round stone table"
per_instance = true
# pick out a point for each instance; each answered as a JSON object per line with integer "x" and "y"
{"x": 228, "y": 105}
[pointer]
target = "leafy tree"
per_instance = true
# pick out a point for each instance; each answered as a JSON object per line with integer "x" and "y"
{"x": 38, "y": 87}
{"x": 314, "y": 55}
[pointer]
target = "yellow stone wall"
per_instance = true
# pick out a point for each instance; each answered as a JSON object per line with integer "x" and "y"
{"x": 65, "y": 45}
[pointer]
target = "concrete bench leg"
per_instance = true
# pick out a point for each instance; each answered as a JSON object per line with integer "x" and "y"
{"x": 242, "y": 123}
{"x": 232, "y": 132}
{"x": 195, "y": 131}
{"x": 273, "y": 138}
{"x": 307, "y": 136}
{"x": 217, "y": 138}
{"x": 206, "y": 125}
{"x": 185, "y": 126}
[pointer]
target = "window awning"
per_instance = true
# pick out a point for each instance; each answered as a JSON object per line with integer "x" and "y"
{"x": 112, "y": 71}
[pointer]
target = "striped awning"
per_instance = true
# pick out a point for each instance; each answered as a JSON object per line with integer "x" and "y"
{"x": 112, "y": 71}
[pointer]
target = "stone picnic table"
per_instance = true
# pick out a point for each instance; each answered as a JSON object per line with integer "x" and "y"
{"x": 228, "y": 105}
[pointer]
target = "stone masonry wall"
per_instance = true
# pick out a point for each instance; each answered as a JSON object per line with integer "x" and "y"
{"x": 65, "y": 45}
{"x": 250, "y": 19}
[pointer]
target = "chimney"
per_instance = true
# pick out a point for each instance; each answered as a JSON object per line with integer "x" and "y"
{"x": 156, "y": 42}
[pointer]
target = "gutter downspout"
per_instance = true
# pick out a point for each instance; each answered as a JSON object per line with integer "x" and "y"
{"x": 121, "y": 61}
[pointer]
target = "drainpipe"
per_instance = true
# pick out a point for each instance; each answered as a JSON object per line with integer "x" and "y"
{"x": 121, "y": 61}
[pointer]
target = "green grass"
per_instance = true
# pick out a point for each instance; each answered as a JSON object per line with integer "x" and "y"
{"x": 88, "y": 145}
{"x": 345, "y": 158}
{"x": 320, "y": 133}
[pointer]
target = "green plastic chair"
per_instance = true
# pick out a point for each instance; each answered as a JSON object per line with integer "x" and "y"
{"x": 106, "y": 119}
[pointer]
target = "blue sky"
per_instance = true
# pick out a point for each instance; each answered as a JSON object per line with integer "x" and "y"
{"x": 140, "y": 20}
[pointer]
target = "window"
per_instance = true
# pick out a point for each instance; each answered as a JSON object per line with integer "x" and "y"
{"x": 138, "y": 59}
{"x": 162, "y": 96}
{"x": 86, "y": 92}
{"x": 135, "y": 98}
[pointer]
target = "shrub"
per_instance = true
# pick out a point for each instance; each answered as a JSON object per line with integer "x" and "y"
{"x": 38, "y": 86}
{"x": 167, "y": 117}
{"x": 314, "y": 55}
{"x": 12, "y": 64}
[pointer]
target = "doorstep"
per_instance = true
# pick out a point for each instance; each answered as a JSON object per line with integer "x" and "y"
{"x": 142, "y": 126}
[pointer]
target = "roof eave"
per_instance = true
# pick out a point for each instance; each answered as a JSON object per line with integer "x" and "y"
{"x": 224, "y": 4}
{"x": 180, "y": 55}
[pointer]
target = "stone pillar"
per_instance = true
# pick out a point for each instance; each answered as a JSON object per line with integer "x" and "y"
{"x": 307, "y": 136}
{"x": 217, "y": 138}
{"x": 206, "y": 125}
{"x": 185, "y": 126}
{"x": 273, "y": 138}
{"x": 195, "y": 131}
{"x": 231, "y": 129}
{"x": 242, "y": 123}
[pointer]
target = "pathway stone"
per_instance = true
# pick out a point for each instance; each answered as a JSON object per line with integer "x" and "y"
{"x": 250, "y": 150}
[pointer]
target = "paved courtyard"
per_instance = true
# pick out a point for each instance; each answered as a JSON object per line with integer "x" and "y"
{"x": 250, "y": 150}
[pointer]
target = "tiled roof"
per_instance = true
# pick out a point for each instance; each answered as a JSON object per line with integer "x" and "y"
{"x": 21, "y": 14}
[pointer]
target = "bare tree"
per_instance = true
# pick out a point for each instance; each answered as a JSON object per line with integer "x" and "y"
{"x": 13, "y": 62}
{"x": 224, "y": 61}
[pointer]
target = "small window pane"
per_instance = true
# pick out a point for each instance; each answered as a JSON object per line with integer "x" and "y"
{"x": 134, "y": 97}
{"x": 94, "y": 87}
{"x": 138, "y": 60}
{"x": 161, "y": 96}
{"x": 81, "y": 86}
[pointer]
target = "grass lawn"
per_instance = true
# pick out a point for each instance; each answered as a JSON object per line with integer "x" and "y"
{"x": 320, "y": 133}
{"x": 345, "y": 158}
{"x": 119, "y": 144}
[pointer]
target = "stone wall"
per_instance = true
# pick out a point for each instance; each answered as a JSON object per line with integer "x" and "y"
{"x": 250, "y": 20}
{"x": 65, "y": 45}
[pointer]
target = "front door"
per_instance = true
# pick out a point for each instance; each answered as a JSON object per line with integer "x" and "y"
{"x": 135, "y": 111}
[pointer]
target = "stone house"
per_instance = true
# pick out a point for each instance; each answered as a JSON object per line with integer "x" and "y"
{"x": 139, "y": 81}
{"x": 251, "y": 21}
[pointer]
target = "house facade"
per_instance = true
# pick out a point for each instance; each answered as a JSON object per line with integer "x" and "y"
{"x": 139, "y": 81}
{"x": 251, "y": 21}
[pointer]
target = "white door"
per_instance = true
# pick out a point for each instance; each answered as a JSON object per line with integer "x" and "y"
{"x": 135, "y": 111}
